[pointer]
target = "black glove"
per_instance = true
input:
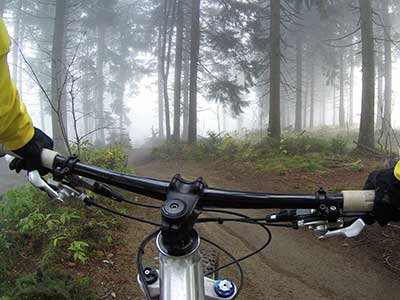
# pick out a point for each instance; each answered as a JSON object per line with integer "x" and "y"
{"x": 31, "y": 153}
{"x": 387, "y": 195}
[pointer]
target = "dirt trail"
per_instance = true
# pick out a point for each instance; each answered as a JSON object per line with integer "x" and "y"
{"x": 296, "y": 265}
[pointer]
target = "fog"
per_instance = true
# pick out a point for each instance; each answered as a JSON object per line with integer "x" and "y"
{"x": 100, "y": 72}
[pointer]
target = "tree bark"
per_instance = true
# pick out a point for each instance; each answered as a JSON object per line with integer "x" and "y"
{"x": 99, "y": 115}
{"x": 312, "y": 96}
{"x": 351, "y": 92}
{"x": 323, "y": 104}
{"x": 194, "y": 57}
{"x": 388, "y": 66}
{"x": 169, "y": 12}
{"x": 20, "y": 82}
{"x": 275, "y": 70}
{"x": 342, "y": 118}
{"x": 178, "y": 71}
{"x": 305, "y": 103}
{"x": 2, "y": 7}
{"x": 380, "y": 107}
{"x": 299, "y": 73}
{"x": 59, "y": 114}
{"x": 366, "y": 134}
{"x": 334, "y": 103}
{"x": 15, "y": 52}
{"x": 185, "y": 91}
{"x": 160, "y": 87}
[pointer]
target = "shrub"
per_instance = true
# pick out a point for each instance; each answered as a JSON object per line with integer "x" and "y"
{"x": 293, "y": 152}
{"x": 338, "y": 145}
{"x": 50, "y": 286}
{"x": 49, "y": 235}
{"x": 112, "y": 158}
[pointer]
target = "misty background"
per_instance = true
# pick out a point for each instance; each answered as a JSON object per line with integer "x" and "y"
{"x": 137, "y": 72}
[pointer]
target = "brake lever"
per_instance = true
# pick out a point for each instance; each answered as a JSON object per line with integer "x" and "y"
{"x": 37, "y": 181}
{"x": 349, "y": 231}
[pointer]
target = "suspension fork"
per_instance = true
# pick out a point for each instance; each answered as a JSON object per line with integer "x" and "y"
{"x": 181, "y": 278}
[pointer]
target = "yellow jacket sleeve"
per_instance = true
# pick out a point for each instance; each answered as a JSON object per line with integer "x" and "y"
{"x": 397, "y": 170}
{"x": 16, "y": 128}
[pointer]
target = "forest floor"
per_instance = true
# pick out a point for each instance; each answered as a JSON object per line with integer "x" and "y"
{"x": 295, "y": 266}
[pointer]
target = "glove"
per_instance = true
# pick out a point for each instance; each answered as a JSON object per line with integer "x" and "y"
{"x": 31, "y": 153}
{"x": 387, "y": 195}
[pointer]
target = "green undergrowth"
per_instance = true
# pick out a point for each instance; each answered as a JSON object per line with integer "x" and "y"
{"x": 304, "y": 152}
{"x": 39, "y": 237}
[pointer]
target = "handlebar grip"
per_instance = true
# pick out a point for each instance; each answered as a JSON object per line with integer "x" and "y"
{"x": 358, "y": 201}
{"x": 48, "y": 157}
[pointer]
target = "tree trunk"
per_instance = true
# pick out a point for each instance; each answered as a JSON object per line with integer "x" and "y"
{"x": 2, "y": 7}
{"x": 194, "y": 57}
{"x": 334, "y": 103}
{"x": 15, "y": 52}
{"x": 388, "y": 66}
{"x": 185, "y": 90}
{"x": 178, "y": 71}
{"x": 351, "y": 96}
{"x": 366, "y": 134}
{"x": 275, "y": 70}
{"x": 323, "y": 104}
{"x": 166, "y": 59}
{"x": 59, "y": 112}
{"x": 312, "y": 96}
{"x": 224, "y": 118}
{"x": 284, "y": 119}
{"x": 86, "y": 109}
{"x": 99, "y": 118}
{"x": 160, "y": 87}
{"x": 299, "y": 72}
{"x": 379, "y": 67}
{"x": 342, "y": 118}
{"x": 20, "y": 81}
{"x": 123, "y": 77}
{"x": 305, "y": 104}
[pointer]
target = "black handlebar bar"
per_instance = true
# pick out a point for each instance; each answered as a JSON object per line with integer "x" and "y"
{"x": 211, "y": 197}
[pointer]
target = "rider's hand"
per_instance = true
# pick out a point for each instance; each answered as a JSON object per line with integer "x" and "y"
{"x": 387, "y": 197}
{"x": 31, "y": 153}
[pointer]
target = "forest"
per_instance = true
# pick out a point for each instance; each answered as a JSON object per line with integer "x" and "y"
{"x": 267, "y": 66}
{"x": 258, "y": 95}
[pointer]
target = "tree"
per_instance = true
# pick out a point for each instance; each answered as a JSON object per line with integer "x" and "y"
{"x": 366, "y": 135}
{"x": 388, "y": 66}
{"x": 2, "y": 7}
{"x": 194, "y": 57}
{"x": 351, "y": 85}
{"x": 59, "y": 105}
{"x": 275, "y": 70}
{"x": 160, "y": 85}
{"x": 17, "y": 39}
{"x": 342, "y": 118}
{"x": 299, "y": 70}
{"x": 178, "y": 70}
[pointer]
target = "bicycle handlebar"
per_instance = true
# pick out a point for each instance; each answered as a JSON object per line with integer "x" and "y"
{"x": 349, "y": 201}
